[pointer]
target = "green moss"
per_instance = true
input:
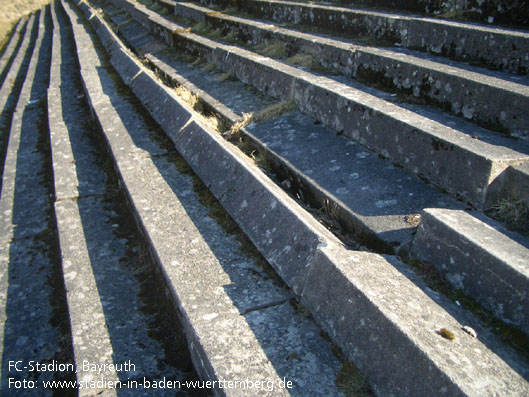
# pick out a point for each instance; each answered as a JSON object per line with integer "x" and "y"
{"x": 447, "y": 334}
{"x": 209, "y": 67}
{"x": 274, "y": 49}
{"x": 511, "y": 336}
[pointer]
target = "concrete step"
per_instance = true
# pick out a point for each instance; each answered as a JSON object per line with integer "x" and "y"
{"x": 34, "y": 330}
{"x": 427, "y": 146}
{"x": 9, "y": 50}
{"x": 493, "y": 47}
{"x": 117, "y": 319}
{"x": 239, "y": 323}
{"x": 487, "y": 98}
{"x": 480, "y": 258}
{"x": 325, "y": 177}
{"x": 372, "y": 306}
{"x": 314, "y": 163}
{"x": 11, "y": 87}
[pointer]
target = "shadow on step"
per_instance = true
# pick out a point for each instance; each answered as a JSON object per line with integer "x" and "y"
{"x": 35, "y": 328}
{"x": 291, "y": 343}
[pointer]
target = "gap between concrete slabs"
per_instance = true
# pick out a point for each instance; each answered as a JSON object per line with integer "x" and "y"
{"x": 190, "y": 130}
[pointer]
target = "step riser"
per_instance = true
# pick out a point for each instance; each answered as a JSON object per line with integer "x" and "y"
{"x": 483, "y": 262}
{"x": 227, "y": 163}
{"x": 486, "y": 104}
{"x": 227, "y": 342}
{"x": 413, "y": 141}
{"x": 484, "y": 45}
{"x": 350, "y": 221}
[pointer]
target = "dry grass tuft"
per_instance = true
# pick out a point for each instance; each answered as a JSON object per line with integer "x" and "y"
{"x": 226, "y": 77}
{"x": 308, "y": 61}
{"x": 275, "y": 49}
{"x": 351, "y": 382}
{"x": 239, "y": 124}
{"x": 513, "y": 212}
{"x": 186, "y": 95}
{"x": 209, "y": 67}
{"x": 270, "y": 112}
{"x": 274, "y": 111}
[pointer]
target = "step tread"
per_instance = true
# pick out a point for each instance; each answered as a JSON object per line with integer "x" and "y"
{"x": 496, "y": 47}
{"x": 479, "y": 257}
{"x": 502, "y": 80}
{"x": 222, "y": 296}
{"x": 380, "y": 195}
{"x": 383, "y": 217}
{"x": 20, "y": 214}
{"x": 15, "y": 38}
{"x": 282, "y": 79}
{"x": 29, "y": 331}
{"x": 213, "y": 160}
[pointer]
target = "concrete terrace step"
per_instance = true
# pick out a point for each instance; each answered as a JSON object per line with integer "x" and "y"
{"x": 489, "y": 99}
{"x": 381, "y": 191}
{"x": 367, "y": 303}
{"x": 481, "y": 258}
{"x": 239, "y": 324}
{"x": 11, "y": 87}
{"x": 385, "y": 198}
{"x": 9, "y": 49}
{"x": 105, "y": 271}
{"x": 31, "y": 292}
{"x": 497, "y": 48}
{"x": 458, "y": 162}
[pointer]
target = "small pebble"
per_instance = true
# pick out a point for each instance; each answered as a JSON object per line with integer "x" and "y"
{"x": 470, "y": 331}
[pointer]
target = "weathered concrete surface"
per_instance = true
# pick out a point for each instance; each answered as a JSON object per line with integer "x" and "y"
{"x": 513, "y": 183}
{"x": 434, "y": 363}
{"x": 497, "y": 48}
{"x": 239, "y": 187}
{"x": 491, "y": 11}
{"x": 21, "y": 147}
{"x": 492, "y": 100}
{"x": 8, "y": 95}
{"x": 369, "y": 196}
{"x": 441, "y": 154}
{"x": 27, "y": 263}
{"x": 373, "y": 309}
{"x": 221, "y": 294}
{"x": 480, "y": 258}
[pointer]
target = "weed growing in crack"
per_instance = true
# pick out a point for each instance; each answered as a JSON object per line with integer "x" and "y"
{"x": 513, "y": 212}
{"x": 274, "y": 49}
{"x": 308, "y": 61}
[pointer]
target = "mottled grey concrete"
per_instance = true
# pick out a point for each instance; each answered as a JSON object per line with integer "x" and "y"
{"x": 388, "y": 326}
{"x": 457, "y": 162}
{"x": 29, "y": 328}
{"x": 101, "y": 263}
{"x": 513, "y": 183}
{"x": 497, "y": 48}
{"x": 8, "y": 96}
{"x": 373, "y": 196}
{"x": 220, "y": 292}
{"x": 14, "y": 40}
{"x": 334, "y": 282}
{"x": 479, "y": 257}
{"x": 463, "y": 90}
